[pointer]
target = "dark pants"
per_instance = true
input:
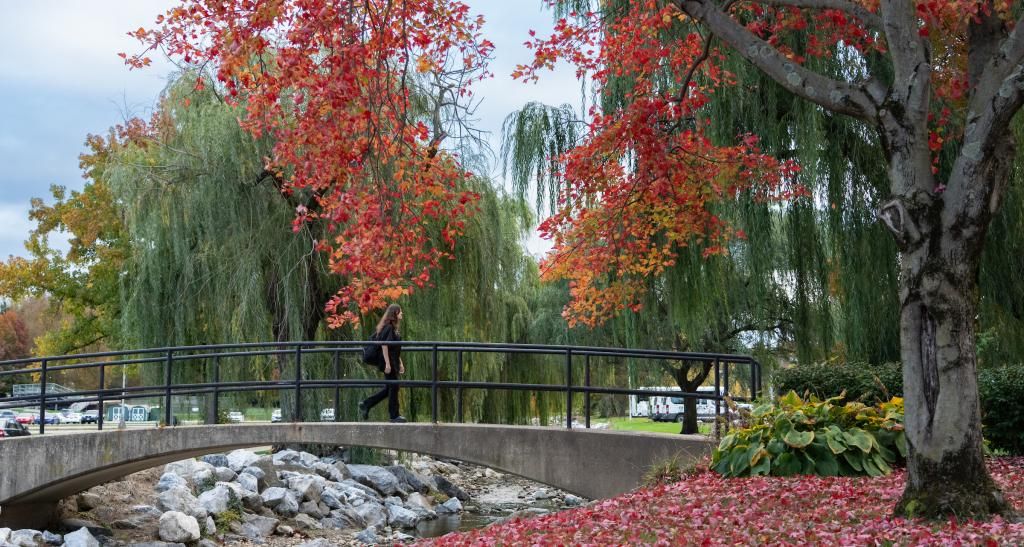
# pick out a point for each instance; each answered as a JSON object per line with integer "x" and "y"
{"x": 389, "y": 391}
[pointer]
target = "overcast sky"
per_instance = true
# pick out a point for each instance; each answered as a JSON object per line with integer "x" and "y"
{"x": 61, "y": 79}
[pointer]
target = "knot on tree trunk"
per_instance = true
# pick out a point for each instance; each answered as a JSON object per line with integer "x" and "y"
{"x": 897, "y": 219}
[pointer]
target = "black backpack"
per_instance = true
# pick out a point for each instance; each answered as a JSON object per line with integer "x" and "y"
{"x": 372, "y": 354}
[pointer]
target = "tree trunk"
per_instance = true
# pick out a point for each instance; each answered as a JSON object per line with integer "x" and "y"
{"x": 946, "y": 473}
{"x": 689, "y": 420}
{"x": 690, "y": 385}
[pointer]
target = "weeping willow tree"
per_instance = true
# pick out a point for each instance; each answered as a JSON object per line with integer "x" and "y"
{"x": 214, "y": 259}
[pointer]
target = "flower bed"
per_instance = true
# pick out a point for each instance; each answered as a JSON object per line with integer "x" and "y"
{"x": 706, "y": 509}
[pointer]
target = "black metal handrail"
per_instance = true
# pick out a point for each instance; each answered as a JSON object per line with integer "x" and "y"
{"x": 170, "y": 356}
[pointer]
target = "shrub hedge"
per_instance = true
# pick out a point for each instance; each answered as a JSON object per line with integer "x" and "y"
{"x": 862, "y": 382}
{"x": 1001, "y": 390}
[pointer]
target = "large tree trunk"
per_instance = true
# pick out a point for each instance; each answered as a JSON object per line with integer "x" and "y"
{"x": 946, "y": 471}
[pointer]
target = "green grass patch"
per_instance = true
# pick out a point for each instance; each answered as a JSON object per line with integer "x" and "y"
{"x": 646, "y": 424}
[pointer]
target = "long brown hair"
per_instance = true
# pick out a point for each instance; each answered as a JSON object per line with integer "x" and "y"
{"x": 390, "y": 317}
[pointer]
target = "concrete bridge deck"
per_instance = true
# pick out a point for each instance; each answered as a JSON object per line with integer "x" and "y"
{"x": 39, "y": 471}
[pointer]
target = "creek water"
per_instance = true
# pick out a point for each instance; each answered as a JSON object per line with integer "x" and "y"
{"x": 494, "y": 503}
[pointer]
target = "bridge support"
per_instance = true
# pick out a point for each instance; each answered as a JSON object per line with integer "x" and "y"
{"x": 37, "y": 516}
{"x": 590, "y": 463}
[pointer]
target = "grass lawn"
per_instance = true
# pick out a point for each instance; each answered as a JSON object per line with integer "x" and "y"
{"x": 645, "y": 424}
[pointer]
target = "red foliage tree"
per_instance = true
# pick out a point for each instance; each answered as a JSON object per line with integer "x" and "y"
{"x": 941, "y": 77}
{"x": 358, "y": 97}
{"x": 14, "y": 340}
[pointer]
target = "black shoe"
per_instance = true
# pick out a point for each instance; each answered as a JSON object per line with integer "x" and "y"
{"x": 399, "y": 420}
{"x": 364, "y": 413}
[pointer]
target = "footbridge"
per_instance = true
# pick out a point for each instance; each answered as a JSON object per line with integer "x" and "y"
{"x": 191, "y": 384}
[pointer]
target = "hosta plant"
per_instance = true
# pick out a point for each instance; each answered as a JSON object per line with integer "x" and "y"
{"x": 814, "y": 437}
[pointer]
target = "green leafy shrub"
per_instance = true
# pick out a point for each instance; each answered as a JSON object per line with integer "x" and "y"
{"x": 860, "y": 381}
{"x": 815, "y": 438}
{"x": 1002, "y": 406}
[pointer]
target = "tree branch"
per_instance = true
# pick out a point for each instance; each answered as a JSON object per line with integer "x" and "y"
{"x": 870, "y": 19}
{"x": 833, "y": 95}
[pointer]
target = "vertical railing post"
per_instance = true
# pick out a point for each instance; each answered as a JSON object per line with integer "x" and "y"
{"x": 725, "y": 390}
{"x": 337, "y": 386}
{"x": 216, "y": 389}
{"x": 586, "y": 384}
{"x": 99, "y": 398}
{"x": 297, "y": 417}
{"x": 167, "y": 387}
{"x": 458, "y": 390}
{"x": 568, "y": 388}
{"x": 42, "y": 396}
{"x": 433, "y": 385}
{"x": 718, "y": 398}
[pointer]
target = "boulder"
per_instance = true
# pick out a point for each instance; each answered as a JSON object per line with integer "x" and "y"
{"x": 307, "y": 460}
{"x": 311, "y": 508}
{"x": 168, "y": 481}
{"x": 182, "y": 468}
{"x": 224, "y": 474}
{"x": 319, "y": 542}
{"x": 372, "y": 513}
{"x": 216, "y": 460}
{"x": 378, "y": 478}
{"x": 95, "y": 529}
{"x": 408, "y": 481}
{"x": 330, "y": 472}
{"x": 203, "y": 479}
{"x": 288, "y": 456}
{"x": 419, "y": 500}
{"x": 573, "y": 500}
{"x": 50, "y": 538}
{"x": 307, "y": 487}
{"x": 249, "y": 482}
{"x": 178, "y": 527}
{"x": 269, "y": 478}
{"x": 257, "y": 527}
{"x": 400, "y": 538}
{"x": 346, "y": 517}
{"x": 333, "y": 498}
{"x": 447, "y": 488}
{"x": 87, "y": 501}
{"x": 285, "y": 530}
{"x": 4, "y": 534}
{"x": 354, "y": 490}
{"x": 217, "y": 500}
{"x": 402, "y": 517}
{"x": 450, "y": 507}
{"x": 145, "y": 510}
{"x": 26, "y": 538}
{"x": 250, "y": 499}
{"x": 179, "y": 498}
{"x": 80, "y": 538}
{"x": 240, "y": 459}
{"x": 281, "y": 500}
{"x": 305, "y": 522}
{"x": 368, "y": 536}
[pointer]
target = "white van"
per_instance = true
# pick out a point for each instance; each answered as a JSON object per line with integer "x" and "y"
{"x": 672, "y": 408}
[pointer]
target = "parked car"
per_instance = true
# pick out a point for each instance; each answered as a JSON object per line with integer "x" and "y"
{"x": 12, "y": 428}
{"x": 68, "y": 417}
{"x": 8, "y": 414}
{"x": 90, "y": 416}
{"x": 50, "y": 417}
{"x": 236, "y": 416}
{"x": 275, "y": 416}
{"x": 26, "y": 418}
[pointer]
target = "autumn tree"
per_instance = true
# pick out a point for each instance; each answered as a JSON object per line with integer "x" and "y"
{"x": 82, "y": 282}
{"x": 341, "y": 89}
{"x": 936, "y": 80}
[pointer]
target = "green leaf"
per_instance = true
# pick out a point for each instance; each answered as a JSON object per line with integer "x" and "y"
{"x": 798, "y": 439}
{"x": 855, "y": 459}
{"x": 871, "y": 469}
{"x": 835, "y": 442}
{"x": 738, "y": 462}
{"x": 727, "y": 442}
{"x": 879, "y": 462}
{"x": 786, "y": 465}
{"x": 859, "y": 438}
{"x": 763, "y": 467}
{"x": 901, "y": 443}
{"x": 826, "y": 464}
{"x": 790, "y": 399}
{"x": 776, "y": 447}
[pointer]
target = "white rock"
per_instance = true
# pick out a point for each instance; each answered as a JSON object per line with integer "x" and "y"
{"x": 452, "y": 506}
{"x": 177, "y": 527}
{"x": 26, "y": 538}
{"x": 379, "y": 478}
{"x": 400, "y": 516}
{"x": 419, "y": 500}
{"x": 249, "y": 482}
{"x": 180, "y": 499}
{"x": 240, "y": 459}
{"x": 372, "y": 513}
{"x": 306, "y": 522}
{"x": 286, "y": 457}
{"x": 4, "y": 534}
{"x": 572, "y": 500}
{"x": 307, "y": 487}
{"x": 216, "y": 500}
{"x": 224, "y": 474}
{"x": 80, "y": 538}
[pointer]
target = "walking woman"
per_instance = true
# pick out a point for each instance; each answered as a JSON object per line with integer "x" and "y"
{"x": 387, "y": 331}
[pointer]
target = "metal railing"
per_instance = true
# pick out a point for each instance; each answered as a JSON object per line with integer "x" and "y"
{"x": 170, "y": 358}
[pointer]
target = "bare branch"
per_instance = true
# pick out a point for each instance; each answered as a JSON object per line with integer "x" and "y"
{"x": 870, "y": 19}
{"x": 833, "y": 95}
